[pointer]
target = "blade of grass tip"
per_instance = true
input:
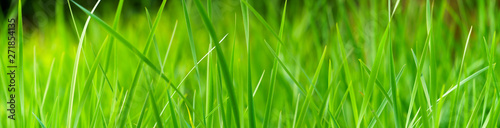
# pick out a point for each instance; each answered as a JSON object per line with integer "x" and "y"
{"x": 492, "y": 60}
{"x": 191, "y": 124}
{"x": 122, "y": 119}
{"x": 75, "y": 65}
{"x": 274, "y": 70}
{"x": 258, "y": 84}
{"x": 392, "y": 78}
{"x": 73, "y": 19}
{"x": 343, "y": 53}
{"x": 169, "y": 46}
{"x": 485, "y": 104}
{"x": 460, "y": 75}
{"x": 305, "y": 106}
{"x": 41, "y": 124}
{"x": 143, "y": 111}
{"x": 384, "y": 102}
{"x": 379, "y": 84}
{"x": 422, "y": 80}
{"x": 48, "y": 82}
{"x": 486, "y": 88}
{"x": 388, "y": 93}
{"x": 302, "y": 90}
{"x": 417, "y": 82}
{"x": 191, "y": 40}
{"x": 415, "y": 87}
{"x": 347, "y": 74}
{"x": 373, "y": 75}
{"x": 225, "y": 72}
{"x": 88, "y": 83}
{"x": 165, "y": 59}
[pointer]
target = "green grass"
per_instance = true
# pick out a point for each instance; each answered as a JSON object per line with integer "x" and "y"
{"x": 291, "y": 64}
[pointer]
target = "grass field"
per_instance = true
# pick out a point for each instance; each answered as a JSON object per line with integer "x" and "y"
{"x": 246, "y": 63}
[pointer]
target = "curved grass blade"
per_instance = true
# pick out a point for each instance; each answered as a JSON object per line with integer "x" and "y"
{"x": 347, "y": 74}
{"x": 307, "y": 101}
{"x": 458, "y": 82}
{"x": 258, "y": 84}
{"x": 48, "y": 82}
{"x": 274, "y": 70}
{"x": 41, "y": 124}
{"x": 75, "y": 67}
{"x": 371, "y": 80}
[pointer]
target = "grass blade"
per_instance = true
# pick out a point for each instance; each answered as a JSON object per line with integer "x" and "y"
{"x": 220, "y": 55}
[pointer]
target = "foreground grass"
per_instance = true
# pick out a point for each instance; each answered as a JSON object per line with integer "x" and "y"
{"x": 279, "y": 64}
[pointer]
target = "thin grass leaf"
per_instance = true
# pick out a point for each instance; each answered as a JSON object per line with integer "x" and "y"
{"x": 307, "y": 101}
{"x": 41, "y": 123}
{"x": 459, "y": 76}
{"x": 258, "y": 84}
{"x": 373, "y": 75}
{"x": 75, "y": 69}
{"x": 191, "y": 40}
